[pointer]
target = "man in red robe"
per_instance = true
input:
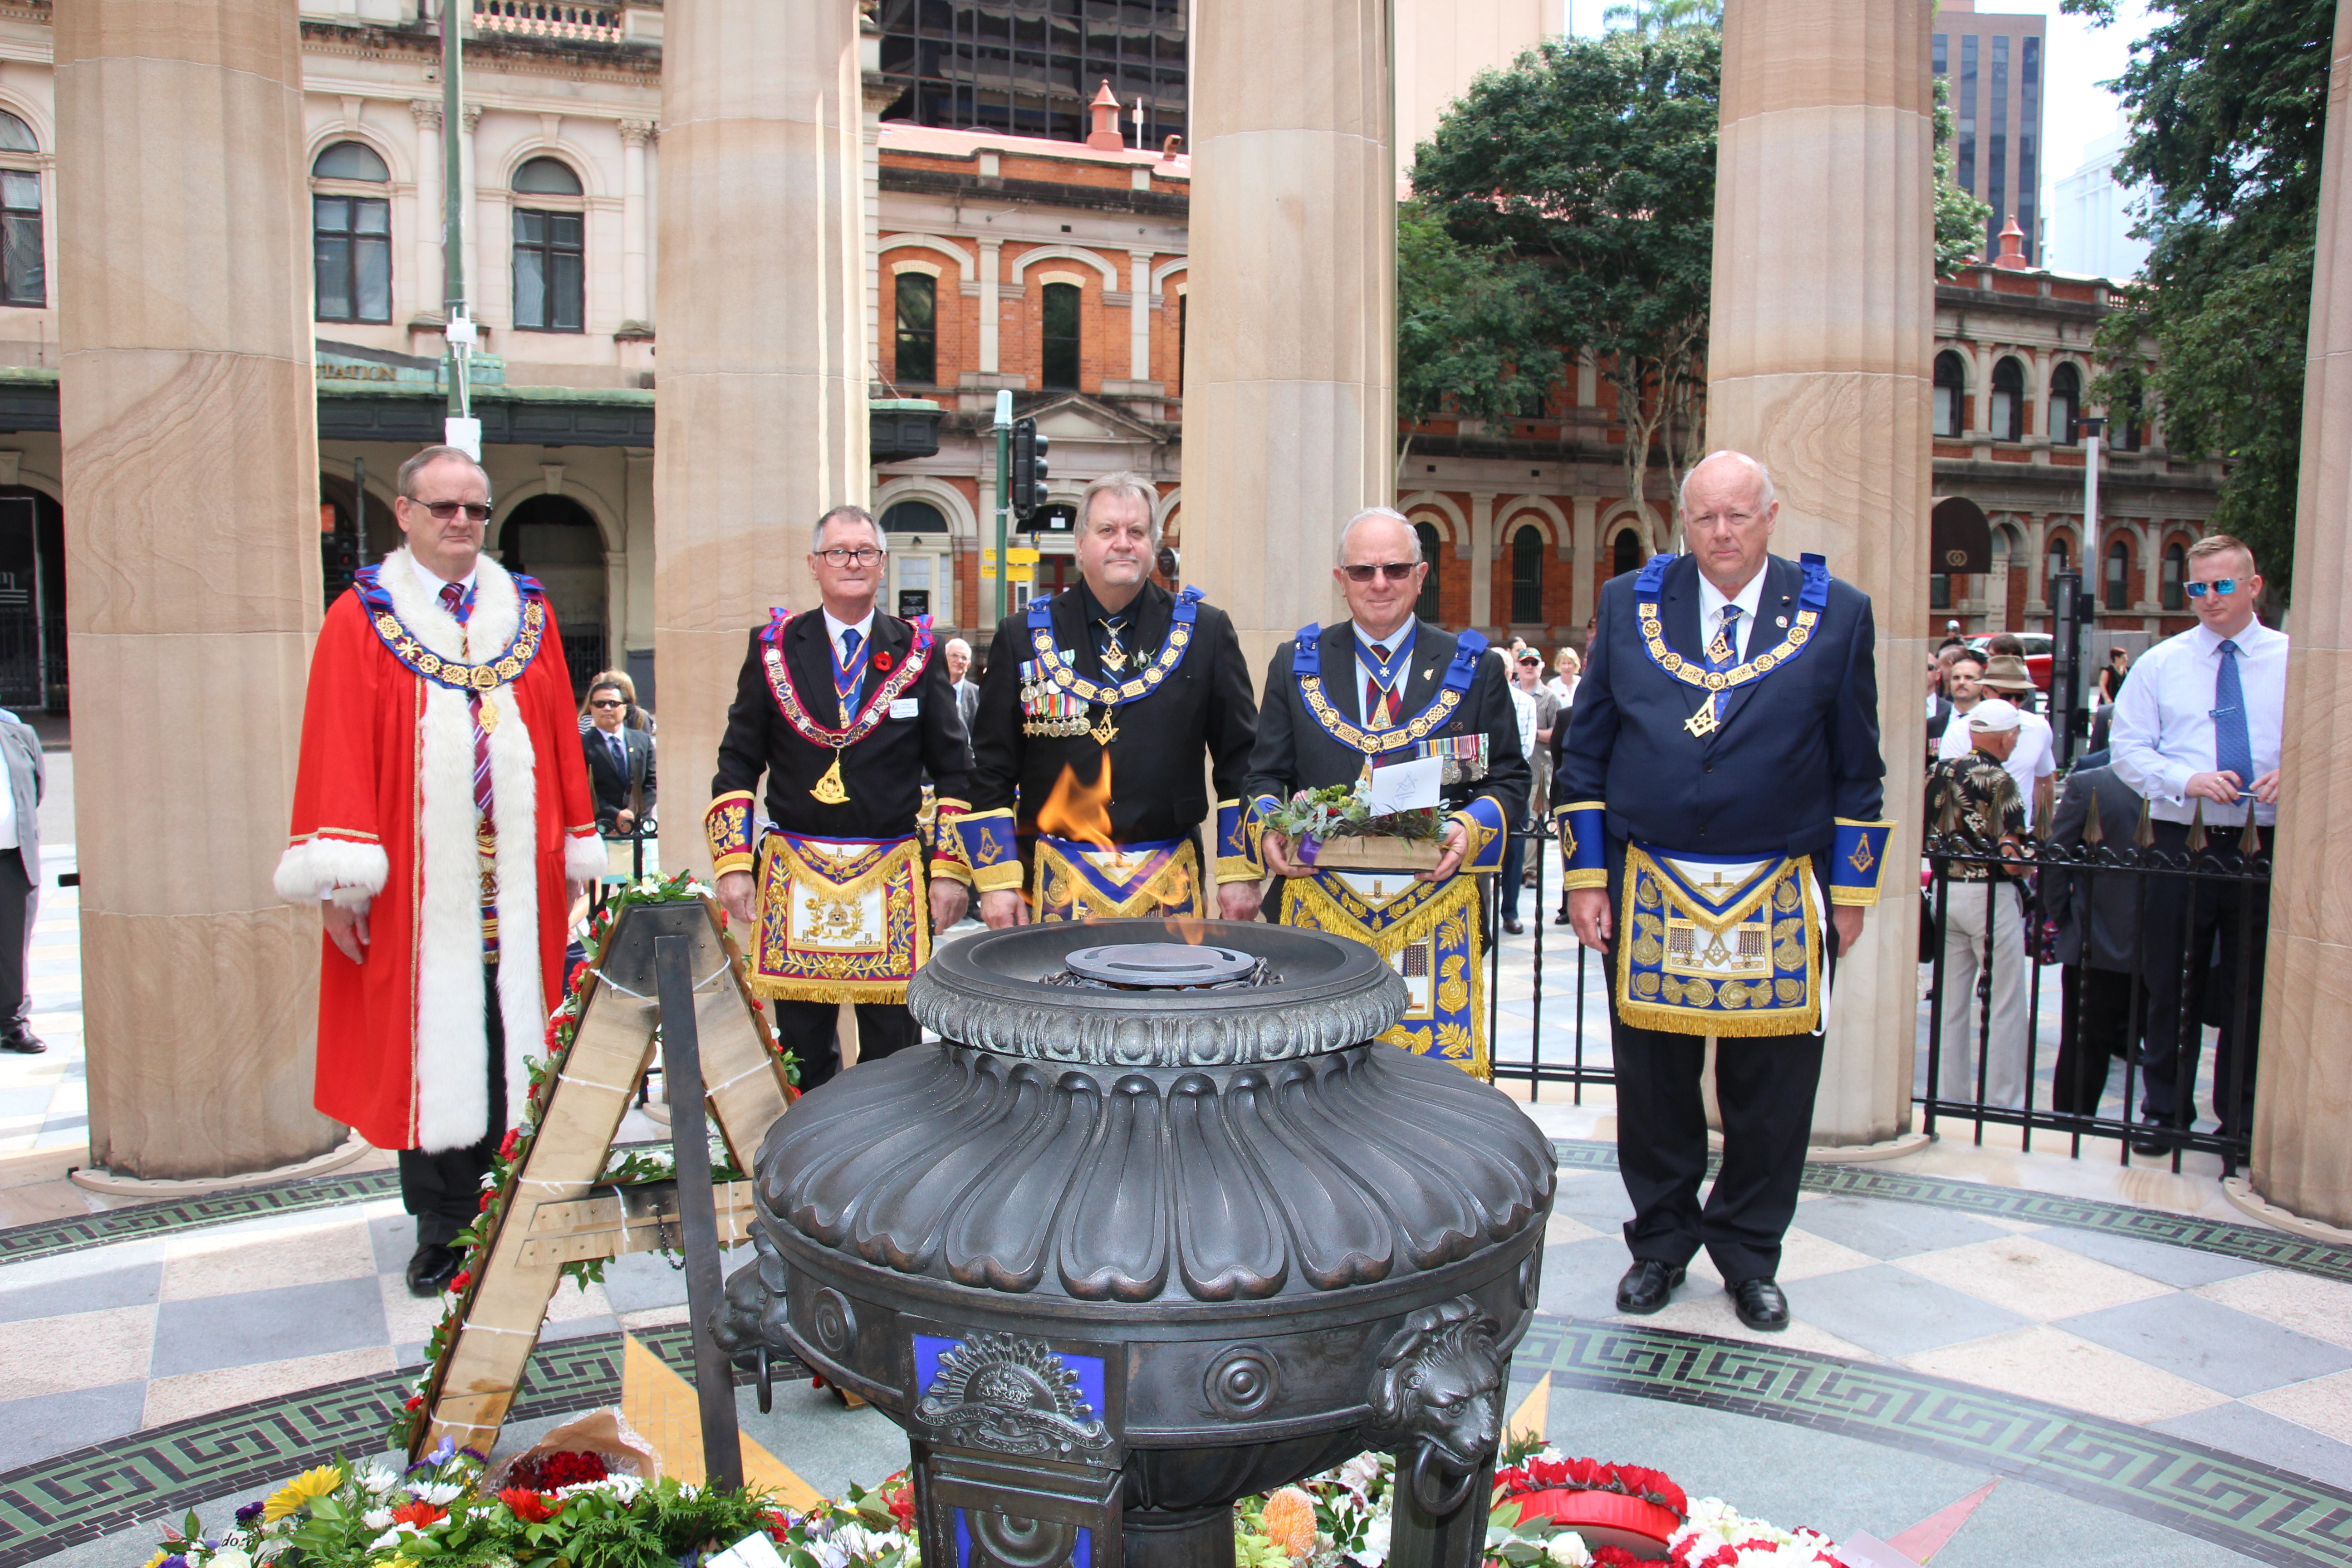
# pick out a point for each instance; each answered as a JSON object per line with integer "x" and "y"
{"x": 442, "y": 815}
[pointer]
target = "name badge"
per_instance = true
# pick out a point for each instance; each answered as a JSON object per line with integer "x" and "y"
{"x": 906, "y": 707}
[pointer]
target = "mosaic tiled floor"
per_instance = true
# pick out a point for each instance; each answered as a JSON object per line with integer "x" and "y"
{"x": 2193, "y": 1373}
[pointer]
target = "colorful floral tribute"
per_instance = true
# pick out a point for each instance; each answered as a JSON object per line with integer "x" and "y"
{"x": 438, "y": 1514}
{"x": 625, "y": 1167}
{"x": 1344, "y": 811}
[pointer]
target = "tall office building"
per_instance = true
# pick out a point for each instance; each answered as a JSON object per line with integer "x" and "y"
{"x": 2091, "y": 217}
{"x": 1993, "y": 62}
{"x": 1029, "y": 67}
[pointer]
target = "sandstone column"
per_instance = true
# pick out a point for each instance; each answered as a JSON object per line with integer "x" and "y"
{"x": 635, "y": 135}
{"x": 1819, "y": 363}
{"x": 189, "y": 426}
{"x": 764, "y": 350}
{"x": 2303, "y": 1093}
{"x": 1290, "y": 395}
{"x": 431, "y": 282}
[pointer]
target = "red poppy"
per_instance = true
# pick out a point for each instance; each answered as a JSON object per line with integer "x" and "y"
{"x": 419, "y": 1513}
{"x": 415, "y": 1401}
{"x": 485, "y": 1205}
{"x": 459, "y": 1280}
{"x": 529, "y": 1506}
{"x": 509, "y": 1143}
{"x": 882, "y": 660}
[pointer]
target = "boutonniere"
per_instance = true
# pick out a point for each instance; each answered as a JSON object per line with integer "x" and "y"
{"x": 882, "y": 660}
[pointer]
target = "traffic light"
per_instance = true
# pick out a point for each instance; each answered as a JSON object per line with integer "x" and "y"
{"x": 1028, "y": 470}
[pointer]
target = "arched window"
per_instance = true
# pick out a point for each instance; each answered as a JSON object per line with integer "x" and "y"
{"x": 1058, "y": 334}
{"x": 913, "y": 517}
{"x": 550, "y": 260}
{"x": 1425, "y": 606}
{"x": 2061, "y": 556}
{"x": 2008, "y": 420}
{"x": 1526, "y": 575}
{"x": 349, "y": 160}
{"x": 1951, "y": 390}
{"x": 351, "y": 236}
{"x": 918, "y": 335}
{"x": 919, "y": 572}
{"x": 2124, "y": 420}
{"x": 23, "y": 276}
{"x": 1625, "y": 554}
{"x": 2118, "y": 583}
{"x": 2175, "y": 571}
{"x": 2066, "y": 405}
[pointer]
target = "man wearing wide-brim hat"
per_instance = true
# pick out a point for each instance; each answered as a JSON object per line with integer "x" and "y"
{"x": 2034, "y": 762}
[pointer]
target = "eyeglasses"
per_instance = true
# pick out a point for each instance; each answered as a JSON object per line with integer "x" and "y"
{"x": 1394, "y": 571}
{"x": 443, "y": 511}
{"x": 2225, "y": 587}
{"x": 608, "y": 702}
{"x": 864, "y": 555}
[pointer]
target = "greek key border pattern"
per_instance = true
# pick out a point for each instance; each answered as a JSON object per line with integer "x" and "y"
{"x": 46, "y": 1239}
{"x": 2226, "y": 1238}
{"x": 91, "y": 1492}
{"x": 2247, "y": 1507}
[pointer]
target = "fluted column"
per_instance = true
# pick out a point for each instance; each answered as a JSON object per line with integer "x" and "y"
{"x": 764, "y": 352}
{"x": 188, "y": 421}
{"x": 1290, "y": 392}
{"x": 1819, "y": 363}
{"x": 635, "y": 135}
{"x": 431, "y": 278}
{"x": 2303, "y": 1095}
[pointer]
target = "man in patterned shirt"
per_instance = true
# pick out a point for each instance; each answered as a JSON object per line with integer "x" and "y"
{"x": 1975, "y": 794}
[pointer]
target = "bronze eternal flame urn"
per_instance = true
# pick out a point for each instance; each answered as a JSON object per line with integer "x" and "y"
{"x": 1155, "y": 1226}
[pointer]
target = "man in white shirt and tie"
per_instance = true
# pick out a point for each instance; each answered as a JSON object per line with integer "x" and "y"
{"x": 2196, "y": 733}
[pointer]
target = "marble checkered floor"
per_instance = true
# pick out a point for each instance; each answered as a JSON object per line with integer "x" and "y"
{"x": 147, "y": 1354}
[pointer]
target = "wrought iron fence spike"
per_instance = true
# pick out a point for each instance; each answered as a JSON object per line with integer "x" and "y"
{"x": 2197, "y": 826}
{"x": 2250, "y": 842}
{"x": 2093, "y": 833}
{"x": 2143, "y": 832}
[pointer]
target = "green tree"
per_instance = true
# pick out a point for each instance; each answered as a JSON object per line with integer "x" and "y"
{"x": 1960, "y": 218}
{"x": 1648, "y": 17}
{"x": 1587, "y": 171}
{"x": 2229, "y": 102}
{"x": 1470, "y": 337}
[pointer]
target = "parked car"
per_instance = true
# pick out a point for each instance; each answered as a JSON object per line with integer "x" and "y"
{"x": 2038, "y": 646}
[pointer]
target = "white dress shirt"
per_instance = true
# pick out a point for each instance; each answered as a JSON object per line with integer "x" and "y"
{"x": 1522, "y": 704}
{"x": 2163, "y": 726}
{"x": 864, "y": 628}
{"x": 1711, "y": 603}
{"x": 1364, "y": 672}
{"x": 2034, "y": 759}
{"x": 431, "y": 582}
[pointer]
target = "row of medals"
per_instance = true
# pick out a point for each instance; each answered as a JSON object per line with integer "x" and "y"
{"x": 1114, "y": 659}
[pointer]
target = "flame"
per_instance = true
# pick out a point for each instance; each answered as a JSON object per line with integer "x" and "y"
{"x": 1191, "y": 933}
{"x": 1075, "y": 811}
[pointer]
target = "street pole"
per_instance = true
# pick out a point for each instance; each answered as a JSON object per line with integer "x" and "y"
{"x": 460, "y": 428}
{"x": 2085, "y": 603}
{"x": 1004, "y": 494}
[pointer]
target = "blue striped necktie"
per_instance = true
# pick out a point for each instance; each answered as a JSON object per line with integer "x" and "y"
{"x": 2233, "y": 750}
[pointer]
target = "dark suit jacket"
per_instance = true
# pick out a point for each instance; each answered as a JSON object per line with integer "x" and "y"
{"x": 612, "y": 784}
{"x": 1794, "y": 751}
{"x": 883, "y": 773}
{"x": 2111, "y": 899}
{"x": 1155, "y": 758}
{"x": 1295, "y": 753}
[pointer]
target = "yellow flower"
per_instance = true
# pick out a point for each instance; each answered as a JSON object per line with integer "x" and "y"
{"x": 156, "y": 1561}
{"x": 298, "y": 1492}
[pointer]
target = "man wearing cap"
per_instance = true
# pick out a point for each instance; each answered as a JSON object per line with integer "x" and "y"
{"x": 2032, "y": 761}
{"x": 1978, "y": 794}
{"x": 1719, "y": 802}
{"x": 1538, "y": 711}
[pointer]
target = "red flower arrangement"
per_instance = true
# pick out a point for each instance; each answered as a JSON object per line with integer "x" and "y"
{"x": 882, "y": 660}
{"x": 531, "y": 1507}
{"x": 1542, "y": 1474}
{"x": 509, "y": 1143}
{"x": 550, "y": 1472}
{"x": 458, "y": 1281}
{"x": 419, "y": 1513}
{"x": 900, "y": 1501}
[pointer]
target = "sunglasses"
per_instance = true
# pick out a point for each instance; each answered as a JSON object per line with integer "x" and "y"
{"x": 443, "y": 511}
{"x": 607, "y": 702}
{"x": 2225, "y": 587}
{"x": 1394, "y": 571}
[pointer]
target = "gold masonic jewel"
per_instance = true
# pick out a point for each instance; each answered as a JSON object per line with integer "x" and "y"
{"x": 828, "y": 789}
{"x": 1703, "y": 722}
{"x": 487, "y": 716}
{"x": 1104, "y": 731}
{"x": 1114, "y": 657}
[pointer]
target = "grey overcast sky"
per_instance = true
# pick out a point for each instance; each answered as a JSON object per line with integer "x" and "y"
{"x": 2076, "y": 111}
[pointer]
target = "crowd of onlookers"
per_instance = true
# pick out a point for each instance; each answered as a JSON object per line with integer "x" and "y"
{"x": 2188, "y": 734}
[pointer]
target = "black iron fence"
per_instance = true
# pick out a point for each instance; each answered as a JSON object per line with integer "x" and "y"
{"x": 2060, "y": 930}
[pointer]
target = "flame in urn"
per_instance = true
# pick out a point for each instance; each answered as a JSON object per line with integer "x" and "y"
{"x": 1078, "y": 812}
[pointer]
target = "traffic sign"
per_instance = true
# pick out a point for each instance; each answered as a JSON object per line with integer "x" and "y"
{"x": 1021, "y": 557}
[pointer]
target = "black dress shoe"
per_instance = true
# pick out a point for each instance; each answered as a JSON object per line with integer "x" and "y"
{"x": 2151, "y": 1141}
{"x": 1515, "y": 928}
{"x": 22, "y": 1045}
{"x": 1560, "y": 919}
{"x": 431, "y": 1268}
{"x": 1648, "y": 1286}
{"x": 1760, "y": 1305}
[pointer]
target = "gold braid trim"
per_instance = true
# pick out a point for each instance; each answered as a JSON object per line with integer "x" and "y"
{"x": 1723, "y": 1021}
{"x": 1456, "y": 897}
